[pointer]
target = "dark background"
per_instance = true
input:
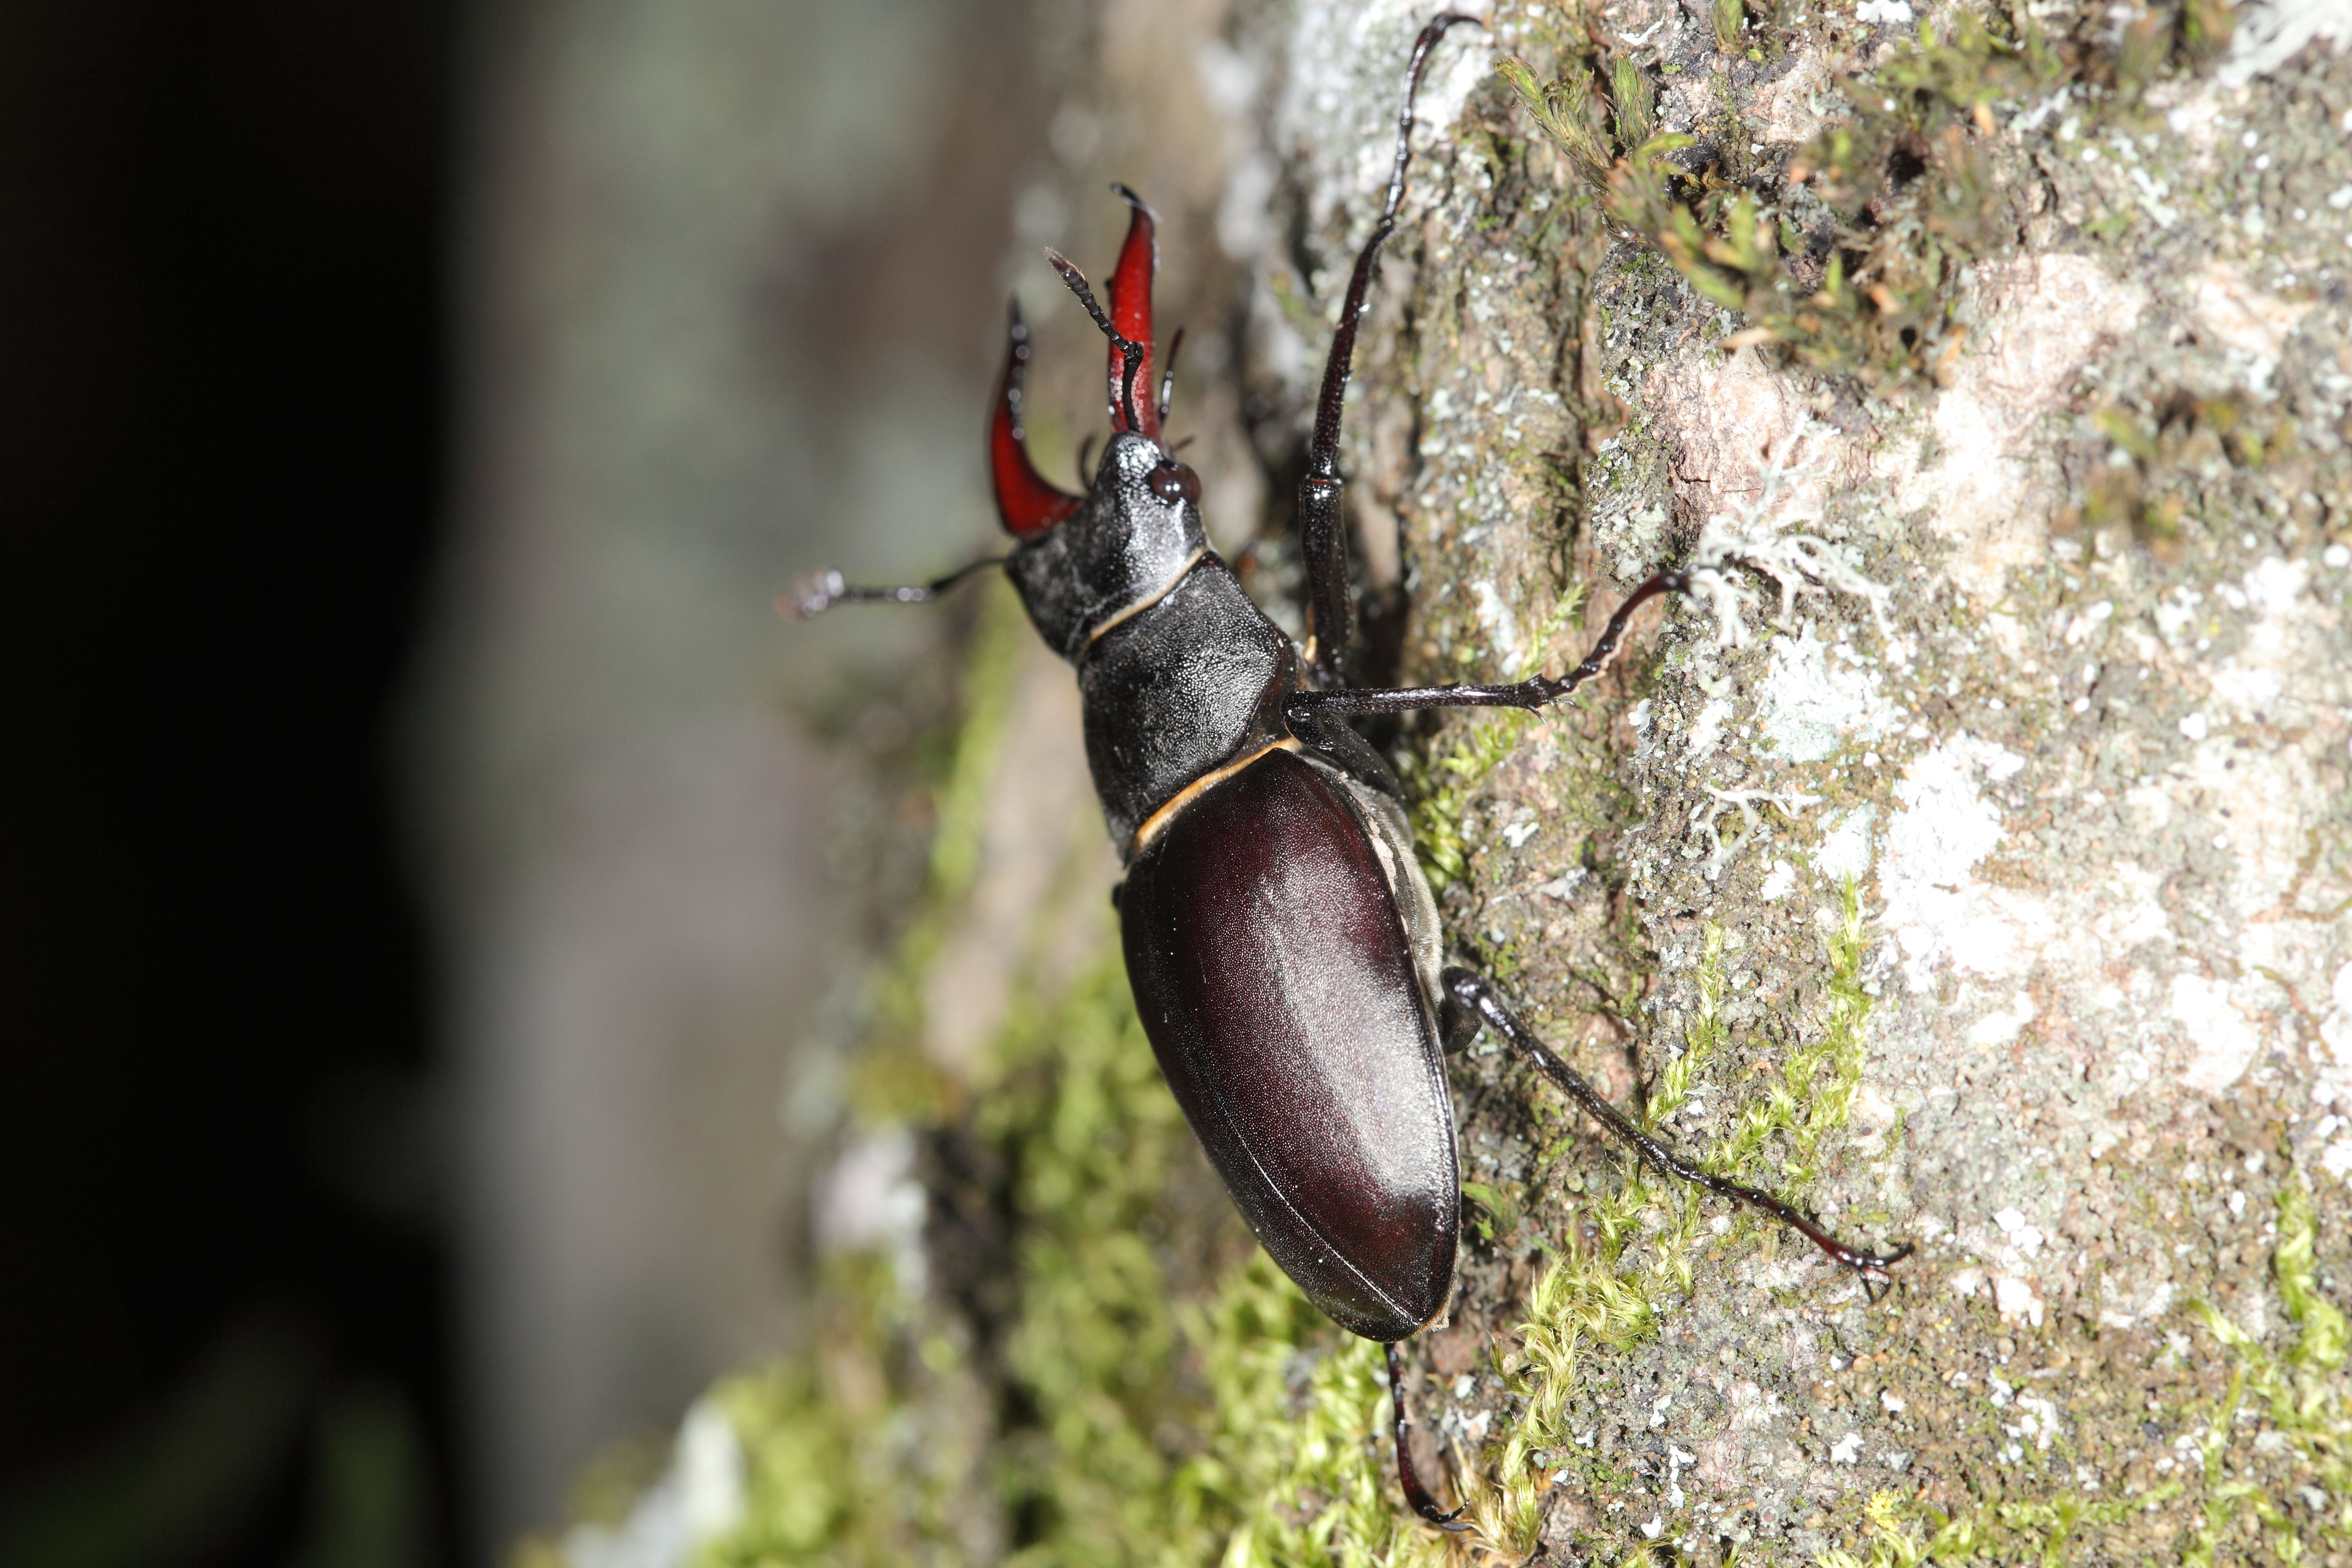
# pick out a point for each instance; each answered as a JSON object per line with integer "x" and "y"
{"x": 225, "y": 1334}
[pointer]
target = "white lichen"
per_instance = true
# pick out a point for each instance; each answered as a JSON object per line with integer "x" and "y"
{"x": 2266, "y": 36}
{"x": 1811, "y": 708}
{"x": 1936, "y": 909}
{"x": 1745, "y": 801}
{"x": 2226, "y": 1040}
{"x": 698, "y": 1500}
{"x": 1754, "y": 538}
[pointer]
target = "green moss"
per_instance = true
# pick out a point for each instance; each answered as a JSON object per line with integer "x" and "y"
{"x": 894, "y": 1080}
{"x": 1905, "y": 1534}
{"x": 1072, "y": 1430}
{"x": 2300, "y": 1392}
{"x": 2173, "y": 444}
{"x": 1647, "y": 1231}
{"x": 1814, "y": 1094}
{"x": 1879, "y": 258}
{"x": 1852, "y": 254}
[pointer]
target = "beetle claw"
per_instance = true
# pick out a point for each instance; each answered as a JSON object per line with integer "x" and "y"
{"x": 1876, "y": 1281}
{"x": 812, "y": 596}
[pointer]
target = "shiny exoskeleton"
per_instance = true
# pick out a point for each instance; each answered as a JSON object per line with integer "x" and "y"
{"x": 1280, "y": 938}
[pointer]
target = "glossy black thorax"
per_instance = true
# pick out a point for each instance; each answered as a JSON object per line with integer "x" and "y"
{"x": 1178, "y": 673}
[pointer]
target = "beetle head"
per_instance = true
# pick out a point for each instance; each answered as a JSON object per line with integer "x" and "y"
{"x": 1082, "y": 560}
{"x": 1133, "y": 534}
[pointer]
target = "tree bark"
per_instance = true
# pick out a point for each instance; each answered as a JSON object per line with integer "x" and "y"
{"x": 1980, "y": 883}
{"x": 1991, "y": 898}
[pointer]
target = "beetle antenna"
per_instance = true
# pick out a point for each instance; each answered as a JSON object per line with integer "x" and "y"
{"x": 1168, "y": 375}
{"x": 1085, "y": 459}
{"x": 1128, "y": 348}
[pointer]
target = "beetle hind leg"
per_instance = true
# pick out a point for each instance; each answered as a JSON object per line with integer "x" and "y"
{"x": 1458, "y": 1024}
{"x": 1475, "y": 991}
{"x": 1415, "y": 1493}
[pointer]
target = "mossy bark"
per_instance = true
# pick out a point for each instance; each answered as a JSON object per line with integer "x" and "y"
{"x": 1990, "y": 889}
{"x": 2004, "y": 912}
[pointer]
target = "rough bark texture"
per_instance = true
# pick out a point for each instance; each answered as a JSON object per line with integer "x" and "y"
{"x": 2035, "y": 864}
{"x": 2024, "y": 883}
{"x": 1987, "y": 889}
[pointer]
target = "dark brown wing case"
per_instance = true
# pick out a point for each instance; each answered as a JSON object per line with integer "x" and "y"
{"x": 1271, "y": 969}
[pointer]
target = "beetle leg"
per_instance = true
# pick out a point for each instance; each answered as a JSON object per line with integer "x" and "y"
{"x": 820, "y": 591}
{"x": 1476, "y": 992}
{"x": 1322, "y": 527}
{"x": 1416, "y": 1494}
{"x": 1458, "y": 1024}
{"x": 1537, "y": 692}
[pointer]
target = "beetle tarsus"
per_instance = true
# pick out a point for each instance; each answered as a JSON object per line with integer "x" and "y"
{"x": 1415, "y": 1493}
{"x": 1475, "y": 991}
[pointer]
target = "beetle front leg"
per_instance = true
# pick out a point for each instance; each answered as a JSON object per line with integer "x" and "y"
{"x": 1415, "y": 1493}
{"x": 1322, "y": 526}
{"x": 820, "y": 591}
{"x": 1476, "y": 992}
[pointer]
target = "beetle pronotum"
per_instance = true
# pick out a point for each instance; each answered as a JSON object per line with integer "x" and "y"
{"x": 1280, "y": 939}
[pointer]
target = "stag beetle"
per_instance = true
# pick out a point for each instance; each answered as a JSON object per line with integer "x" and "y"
{"x": 1280, "y": 938}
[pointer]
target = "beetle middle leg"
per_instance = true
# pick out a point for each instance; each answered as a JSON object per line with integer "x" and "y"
{"x": 1304, "y": 708}
{"x": 1475, "y": 991}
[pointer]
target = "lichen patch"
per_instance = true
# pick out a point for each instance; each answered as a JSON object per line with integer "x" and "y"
{"x": 2225, "y": 1038}
{"x": 1813, "y": 705}
{"x": 1976, "y": 490}
{"x": 1940, "y": 912}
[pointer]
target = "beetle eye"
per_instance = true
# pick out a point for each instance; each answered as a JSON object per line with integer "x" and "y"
{"x": 1176, "y": 481}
